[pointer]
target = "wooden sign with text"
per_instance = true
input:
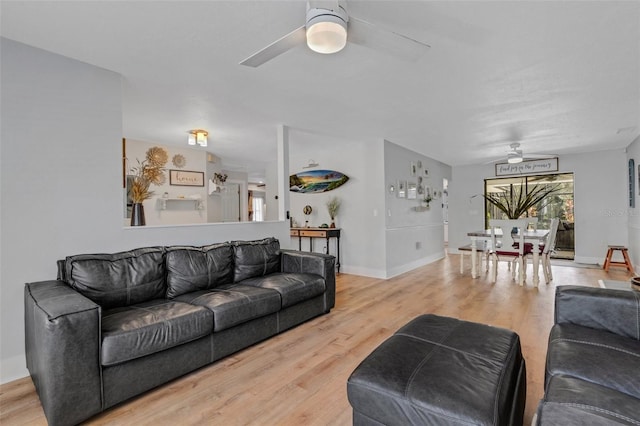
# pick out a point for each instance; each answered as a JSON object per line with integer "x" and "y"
{"x": 529, "y": 167}
{"x": 186, "y": 178}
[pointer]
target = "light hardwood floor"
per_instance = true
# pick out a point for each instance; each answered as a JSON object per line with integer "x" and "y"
{"x": 299, "y": 377}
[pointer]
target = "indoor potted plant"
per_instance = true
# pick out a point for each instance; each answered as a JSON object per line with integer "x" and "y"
{"x": 333, "y": 205}
{"x": 150, "y": 171}
{"x": 516, "y": 201}
{"x": 427, "y": 199}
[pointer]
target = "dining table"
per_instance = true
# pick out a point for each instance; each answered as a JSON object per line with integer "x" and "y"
{"x": 534, "y": 236}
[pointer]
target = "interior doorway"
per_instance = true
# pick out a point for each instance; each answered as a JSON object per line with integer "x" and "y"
{"x": 559, "y": 204}
{"x": 230, "y": 199}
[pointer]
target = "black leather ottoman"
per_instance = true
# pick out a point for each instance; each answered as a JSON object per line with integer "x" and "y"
{"x": 441, "y": 371}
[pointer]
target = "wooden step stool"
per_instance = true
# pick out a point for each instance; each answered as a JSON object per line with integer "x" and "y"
{"x": 608, "y": 262}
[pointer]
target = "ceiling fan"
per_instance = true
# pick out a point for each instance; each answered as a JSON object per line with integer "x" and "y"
{"x": 515, "y": 155}
{"x": 328, "y": 29}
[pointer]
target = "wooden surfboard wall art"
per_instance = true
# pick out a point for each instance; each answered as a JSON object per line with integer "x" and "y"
{"x": 316, "y": 181}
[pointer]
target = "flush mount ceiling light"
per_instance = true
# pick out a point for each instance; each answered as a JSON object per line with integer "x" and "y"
{"x": 198, "y": 136}
{"x": 326, "y": 30}
{"x": 514, "y": 158}
{"x": 515, "y": 155}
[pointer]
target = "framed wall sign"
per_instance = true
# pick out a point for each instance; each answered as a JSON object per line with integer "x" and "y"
{"x": 527, "y": 167}
{"x": 412, "y": 190}
{"x": 186, "y": 178}
{"x": 402, "y": 189}
{"x": 632, "y": 183}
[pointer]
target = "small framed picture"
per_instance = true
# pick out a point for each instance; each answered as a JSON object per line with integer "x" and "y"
{"x": 413, "y": 168}
{"x": 186, "y": 178}
{"x": 412, "y": 190}
{"x": 402, "y": 189}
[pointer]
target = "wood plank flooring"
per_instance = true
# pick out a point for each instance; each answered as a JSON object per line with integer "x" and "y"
{"x": 299, "y": 377}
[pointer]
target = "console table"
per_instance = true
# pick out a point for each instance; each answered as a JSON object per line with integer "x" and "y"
{"x": 312, "y": 233}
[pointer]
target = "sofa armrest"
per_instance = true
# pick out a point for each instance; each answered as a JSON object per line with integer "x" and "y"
{"x": 312, "y": 263}
{"x": 62, "y": 341}
{"x": 616, "y": 311}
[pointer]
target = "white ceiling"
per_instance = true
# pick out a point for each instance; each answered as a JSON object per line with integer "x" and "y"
{"x": 558, "y": 76}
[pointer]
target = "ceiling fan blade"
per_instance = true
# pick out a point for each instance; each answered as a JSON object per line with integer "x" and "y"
{"x": 369, "y": 35}
{"x": 278, "y": 47}
{"x": 495, "y": 160}
{"x": 540, "y": 156}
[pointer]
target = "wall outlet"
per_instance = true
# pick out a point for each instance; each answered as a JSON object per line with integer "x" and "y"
{"x": 418, "y": 245}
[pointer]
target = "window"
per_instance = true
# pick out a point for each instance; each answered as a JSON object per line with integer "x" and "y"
{"x": 258, "y": 208}
{"x": 559, "y": 204}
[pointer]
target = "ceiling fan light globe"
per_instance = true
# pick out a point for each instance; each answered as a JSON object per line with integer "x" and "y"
{"x": 326, "y": 34}
{"x": 514, "y": 159}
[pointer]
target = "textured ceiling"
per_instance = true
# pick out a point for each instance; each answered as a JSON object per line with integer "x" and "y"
{"x": 557, "y": 76}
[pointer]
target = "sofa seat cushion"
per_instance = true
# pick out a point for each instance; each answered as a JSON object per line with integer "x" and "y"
{"x": 198, "y": 268}
{"x": 135, "y": 331}
{"x": 234, "y": 304}
{"x": 571, "y": 401}
{"x": 596, "y": 356}
{"x": 293, "y": 288}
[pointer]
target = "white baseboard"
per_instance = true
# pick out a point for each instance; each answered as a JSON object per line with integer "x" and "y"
{"x": 413, "y": 265}
{"x": 365, "y": 272}
{"x": 13, "y": 368}
{"x": 588, "y": 260}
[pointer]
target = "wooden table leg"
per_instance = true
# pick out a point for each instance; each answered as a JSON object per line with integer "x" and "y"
{"x": 338, "y": 258}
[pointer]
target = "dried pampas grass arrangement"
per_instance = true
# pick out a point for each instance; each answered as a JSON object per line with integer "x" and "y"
{"x": 150, "y": 171}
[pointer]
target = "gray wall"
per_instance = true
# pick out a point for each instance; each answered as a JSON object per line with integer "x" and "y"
{"x": 361, "y": 216}
{"x": 413, "y": 238}
{"x": 379, "y": 231}
{"x": 61, "y": 181}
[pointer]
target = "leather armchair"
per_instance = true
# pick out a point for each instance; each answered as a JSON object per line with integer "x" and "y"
{"x": 593, "y": 359}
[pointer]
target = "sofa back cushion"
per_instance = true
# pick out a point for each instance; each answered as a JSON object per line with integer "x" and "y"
{"x": 117, "y": 279}
{"x": 256, "y": 258}
{"x": 198, "y": 268}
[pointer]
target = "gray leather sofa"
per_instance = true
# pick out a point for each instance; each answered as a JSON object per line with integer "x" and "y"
{"x": 592, "y": 372}
{"x": 115, "y": 325}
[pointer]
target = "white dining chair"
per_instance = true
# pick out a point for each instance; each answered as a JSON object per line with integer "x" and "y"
{"x": 481, "y": 251}
{"x": 512, "y": 247}
{"x": 532, "y": 224}
{"x": 547, "y": 249}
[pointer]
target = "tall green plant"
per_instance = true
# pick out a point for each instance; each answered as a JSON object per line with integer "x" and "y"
{"x": 516, "y": 201}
